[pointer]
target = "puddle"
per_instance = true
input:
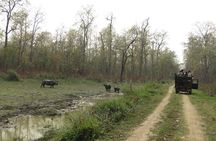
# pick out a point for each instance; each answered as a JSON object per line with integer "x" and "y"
{"x": 28, "y": 128}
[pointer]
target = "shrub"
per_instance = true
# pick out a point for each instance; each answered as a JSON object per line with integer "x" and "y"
{"x": 82, "y": 127}
{"x": 113, "y": 111}
{"x": 153, "y": 88}
{"x": 12, "y": 76}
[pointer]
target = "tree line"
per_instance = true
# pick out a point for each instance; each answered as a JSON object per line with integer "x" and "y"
{"x": 136, "y": 54}
{"x": 200, "y": 52}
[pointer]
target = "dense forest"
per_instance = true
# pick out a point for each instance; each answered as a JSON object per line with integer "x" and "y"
{"x": 136, "y": 54}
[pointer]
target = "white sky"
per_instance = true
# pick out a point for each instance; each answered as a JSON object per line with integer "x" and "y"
{"x": 176, "y": 17}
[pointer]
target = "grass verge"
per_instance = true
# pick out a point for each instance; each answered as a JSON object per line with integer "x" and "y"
{"x": 113, "y": 119}
{"x": 206, "y": 106}
{"x": 172, "y": 126}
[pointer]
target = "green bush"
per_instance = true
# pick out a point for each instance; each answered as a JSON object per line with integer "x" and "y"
{"x": 82, "y": 127}
{"x": 113, "y": 110}
{"x": 12, "y": 76}
{"x": 153, "y": 88}
{"x": 88, "y": 125}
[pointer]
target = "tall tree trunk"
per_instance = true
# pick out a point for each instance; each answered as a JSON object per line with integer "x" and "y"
{"x": 20, "y": 47}
{"x": 7, "y": 31}
{"x": 141, "y": 59}
{"x": 123, "y": 62}
{"x": 143, "y": 39}
{"x": 110, "y": 46}
{"x": 102, "y": 66}
{"x": 125, "y": 57}
{"x": 206, "y": 69}
{"x": 132, "y": 72}
{"x": 145, "y": 66}
{"x": 31, "y": 48}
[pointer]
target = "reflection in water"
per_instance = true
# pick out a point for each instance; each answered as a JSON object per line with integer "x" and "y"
{"x": 28, "y": 128}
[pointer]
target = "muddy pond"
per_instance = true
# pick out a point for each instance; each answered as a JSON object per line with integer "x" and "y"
{"x": 29, "y": 127}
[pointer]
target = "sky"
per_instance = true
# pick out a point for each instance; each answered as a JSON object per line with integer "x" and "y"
{"x": 176, "y": 17}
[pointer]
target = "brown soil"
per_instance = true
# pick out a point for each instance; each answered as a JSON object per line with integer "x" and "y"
{"x": 143, "y": 132}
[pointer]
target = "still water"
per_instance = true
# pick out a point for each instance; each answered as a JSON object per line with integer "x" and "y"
{"x": 28, "y": 128}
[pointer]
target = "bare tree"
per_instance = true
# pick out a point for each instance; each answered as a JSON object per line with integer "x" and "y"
{"x": 132, "y": 60}
{"x": 103, "y": 66}
{"x": 86, "y": 20}
{"x": 21, "y": 24}
{"x": 144, "y": 50}
{"x": 110, "y": 43}
{"x": 7, "y": 7}
{"x": 38, "y": 19}
{"x": 132, "y": 38}
{"x": 207, "y": 33}
{"x": 159, "y": 39}
{"x": 158, "y": 42}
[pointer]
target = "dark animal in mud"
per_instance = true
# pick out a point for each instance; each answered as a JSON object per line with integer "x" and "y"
{"x": 50, "y": 83}
{"x": 107, "y": 87}
{"x": 116, "y": 89}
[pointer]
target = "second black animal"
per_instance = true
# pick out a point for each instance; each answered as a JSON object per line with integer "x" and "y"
{"x": 116, "y": 89}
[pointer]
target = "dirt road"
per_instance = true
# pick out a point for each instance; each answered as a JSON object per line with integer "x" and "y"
{"x": 193, "y": 121}
{"x": 143, "y": 132}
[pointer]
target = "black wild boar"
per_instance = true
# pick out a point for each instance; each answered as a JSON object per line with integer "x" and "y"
{"x": 50, "y": 83}
{"x": 107, "y": 87}
{"x": 116, "y": 89}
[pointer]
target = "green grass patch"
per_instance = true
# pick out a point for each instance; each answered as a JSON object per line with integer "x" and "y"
{"x": 172, "y": 126}
{"x": 206, "y": 106}
{"x": 113, "y": 119}
{"x": 16, "y": 94}
{"x": 81, "y": 128}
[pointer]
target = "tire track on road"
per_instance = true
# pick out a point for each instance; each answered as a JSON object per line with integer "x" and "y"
{"x": 143, "y": 132}
{"x": 193, "y": 121}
